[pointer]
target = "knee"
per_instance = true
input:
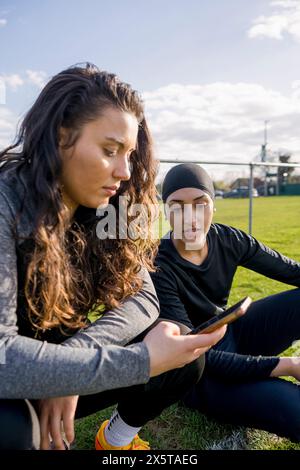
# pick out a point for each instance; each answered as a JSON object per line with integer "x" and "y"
{"x": 19, "y": 426}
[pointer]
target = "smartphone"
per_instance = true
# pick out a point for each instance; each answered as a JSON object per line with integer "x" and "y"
{"x": 226, "y": 317}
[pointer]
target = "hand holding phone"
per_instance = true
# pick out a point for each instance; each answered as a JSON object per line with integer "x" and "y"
{"x": 226, "y": 317}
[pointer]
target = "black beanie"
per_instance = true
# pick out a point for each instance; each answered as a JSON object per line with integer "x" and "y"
{"x": 187, "y": 175}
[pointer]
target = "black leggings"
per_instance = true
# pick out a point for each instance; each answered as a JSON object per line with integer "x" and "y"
{"x": 271, "y": 326}
{"x": 19, "y": 427}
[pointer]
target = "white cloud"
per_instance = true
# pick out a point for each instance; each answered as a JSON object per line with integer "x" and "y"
{"x": 13, "y": 81}
{"x": 215, "y": 122}
{"x": 37, "y": 77}
{"x": 3, "y": 22}
{"x": 8, "y": 123}
{"x": 271, "y": 27}
{"x": 285, "y": 3}
{"x": 222, "y": 121}
{"x": 285, "y": 19}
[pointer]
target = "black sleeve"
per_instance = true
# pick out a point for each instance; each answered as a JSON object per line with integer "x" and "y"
{"x": 232, "y": 366}
{"x": 171, "y": 307}
{"x": 260, "y": 258}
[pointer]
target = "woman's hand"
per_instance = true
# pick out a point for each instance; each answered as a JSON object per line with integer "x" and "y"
{"x": 57, "y": 417}
{"x": 287, "y": 366}
{"x": 168, "y": 349}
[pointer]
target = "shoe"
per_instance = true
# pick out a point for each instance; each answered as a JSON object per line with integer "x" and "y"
{"x": 101, "y": 444}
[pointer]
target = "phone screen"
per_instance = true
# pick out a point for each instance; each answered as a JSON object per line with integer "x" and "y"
{"x": 224, "y": 318}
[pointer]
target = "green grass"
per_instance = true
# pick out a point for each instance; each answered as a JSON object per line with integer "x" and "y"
{"x": 276, "y": 223}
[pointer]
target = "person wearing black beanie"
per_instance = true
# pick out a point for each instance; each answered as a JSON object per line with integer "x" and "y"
{"x": 187, "y": 175}
{"x": 188, "y": 194}
{"x": 241, "y": 383}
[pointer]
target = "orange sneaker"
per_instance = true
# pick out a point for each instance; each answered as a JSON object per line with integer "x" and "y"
{"x": 101, "y": 444}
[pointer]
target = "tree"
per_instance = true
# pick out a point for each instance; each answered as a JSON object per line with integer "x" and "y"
{"x": 221, "y": 185}
{"x": 283, "y": 173}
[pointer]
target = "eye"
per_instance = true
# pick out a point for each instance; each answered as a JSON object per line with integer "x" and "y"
{"x": 203, "y": 202}
{"x": 110, "y": 153}
{"x": 176, "y": 209}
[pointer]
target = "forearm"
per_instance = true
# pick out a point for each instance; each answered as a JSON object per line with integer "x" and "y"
{"x": 233, "y": 366}
{"x": 274, "y": 265}
{"x": 36, "y": 369}
{"x": 121, "y": 325}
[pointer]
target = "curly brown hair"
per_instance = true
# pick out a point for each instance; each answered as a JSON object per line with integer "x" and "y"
{"x": 70, "y": 270}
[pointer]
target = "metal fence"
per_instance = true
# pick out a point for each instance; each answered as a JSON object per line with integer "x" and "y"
{"x": 250, "y": 165}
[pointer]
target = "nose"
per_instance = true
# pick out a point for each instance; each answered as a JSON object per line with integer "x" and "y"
{"x": 122, "y": 170}
{"x": 189, "y": 215}
{"x": 198, "y": 216}
{"x": 193, "y": 216}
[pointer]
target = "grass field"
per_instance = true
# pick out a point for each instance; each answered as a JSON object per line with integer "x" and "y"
{"x": 277, "y": 224}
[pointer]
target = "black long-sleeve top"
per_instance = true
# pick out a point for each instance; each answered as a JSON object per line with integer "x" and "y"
{"x": 191, "y": 294}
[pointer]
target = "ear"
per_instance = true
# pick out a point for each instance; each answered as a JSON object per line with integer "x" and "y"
{"x": 63, "y": 135}
{"x": 166, "y": 211}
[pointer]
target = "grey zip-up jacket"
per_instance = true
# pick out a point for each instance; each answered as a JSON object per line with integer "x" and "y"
{"x": 95, "y": 358}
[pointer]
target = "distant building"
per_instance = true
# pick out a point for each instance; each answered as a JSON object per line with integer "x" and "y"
{"x": 289, "y": 189}
{"x": 244, "y": 183}
{"x": 284, "y": 189}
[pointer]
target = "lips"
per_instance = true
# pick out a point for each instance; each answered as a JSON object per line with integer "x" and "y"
{"x": 110, "y": 190}
{"x": 192, "y": 233}
{"x": 192, "y": 230}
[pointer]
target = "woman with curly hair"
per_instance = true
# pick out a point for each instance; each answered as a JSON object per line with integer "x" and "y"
{"x": 84, "y": 144}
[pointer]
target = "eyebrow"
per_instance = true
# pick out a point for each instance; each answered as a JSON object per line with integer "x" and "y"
{"x": 181, "y": 201}
{"x": 118, "y": 142}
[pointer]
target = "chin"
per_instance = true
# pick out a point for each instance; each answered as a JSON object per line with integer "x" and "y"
{"x": 195, "y": 244}
{"x": 101, "y": 202}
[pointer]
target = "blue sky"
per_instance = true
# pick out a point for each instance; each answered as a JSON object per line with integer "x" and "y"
{"x": 211, "y": 71}
{"x": 149, "y": 43}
